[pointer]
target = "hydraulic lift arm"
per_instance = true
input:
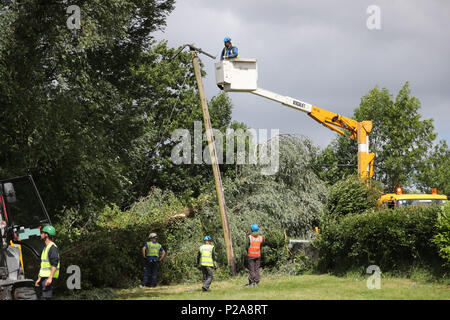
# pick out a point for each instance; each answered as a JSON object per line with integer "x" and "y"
{"x": 347, "y": 127}
{"x": 240, "y": 75}
{"x": 329, "y": 119}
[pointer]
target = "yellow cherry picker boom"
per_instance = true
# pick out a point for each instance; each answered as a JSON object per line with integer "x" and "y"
{"x": 241, "y": 75}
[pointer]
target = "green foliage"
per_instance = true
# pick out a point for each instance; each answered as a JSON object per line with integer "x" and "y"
{"x": 90, "y": 112}
{"x": 435, "y": 173}
{"x": 68, "y": 98}
{"x": 286, "y": 203}
{"x": 351, "y": 196}
{"x": 442, "y": 238}
{"x": 281, "y": 204}
{"x": 151, "y": 163}
{"x": 392, "y": 239}
{"x": 337, "y": 161}
{"x": 108, "y": 249}
{"x": 91, "y": 294}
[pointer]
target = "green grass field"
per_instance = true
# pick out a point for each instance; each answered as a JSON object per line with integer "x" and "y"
{"x": 303, "y": 287}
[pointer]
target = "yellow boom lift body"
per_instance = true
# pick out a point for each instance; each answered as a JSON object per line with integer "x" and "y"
{"x": 398, "y": 199}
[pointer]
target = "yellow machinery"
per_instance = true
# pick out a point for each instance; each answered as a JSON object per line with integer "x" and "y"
{"x": 398, "y": 199}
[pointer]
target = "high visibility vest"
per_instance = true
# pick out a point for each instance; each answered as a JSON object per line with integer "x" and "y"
{"x": 206, "y": 259}
{"x": 254, "y": 250}
{"x": 153, "y": 249}
{"x": 224, "y": 52}
{"x": 46, "y": 267}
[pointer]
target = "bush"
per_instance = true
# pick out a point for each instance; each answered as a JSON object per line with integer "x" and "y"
{"x": 442, "y": 239}
{"x": 392, "y": 239}
{"x": 108, "y": 249}
{"x": 350, "y": 196}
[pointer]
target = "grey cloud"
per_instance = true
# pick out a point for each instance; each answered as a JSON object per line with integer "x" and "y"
{"x": 322, "y": 52}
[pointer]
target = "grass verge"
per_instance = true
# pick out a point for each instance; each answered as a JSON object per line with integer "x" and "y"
{"x": 303, "y": 287}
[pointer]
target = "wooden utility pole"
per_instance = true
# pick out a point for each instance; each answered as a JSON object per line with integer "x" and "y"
{"x": 214, "y": 163}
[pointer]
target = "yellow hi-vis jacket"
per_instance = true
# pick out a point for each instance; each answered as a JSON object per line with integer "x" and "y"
{"x": 153, "y": 249}
{"x": 225, "y": 52}
{"x": 46, "y": 267}
{"x": 206, "y": 259}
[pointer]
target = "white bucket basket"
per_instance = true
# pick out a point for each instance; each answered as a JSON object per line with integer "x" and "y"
{"x": 237, "y": 75}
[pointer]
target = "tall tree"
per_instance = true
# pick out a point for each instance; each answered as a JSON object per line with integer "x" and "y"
{"x": 67, "y": 112}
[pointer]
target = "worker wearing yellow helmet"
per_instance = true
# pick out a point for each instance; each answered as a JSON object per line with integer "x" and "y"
{"x": 50, "y": 263}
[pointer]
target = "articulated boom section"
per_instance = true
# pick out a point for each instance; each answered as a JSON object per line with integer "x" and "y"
{"x": 241, "y": 75}
{"x": 284, "y": 100}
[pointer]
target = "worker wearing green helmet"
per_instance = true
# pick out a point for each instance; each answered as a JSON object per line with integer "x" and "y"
{"x": 50, "y": 263}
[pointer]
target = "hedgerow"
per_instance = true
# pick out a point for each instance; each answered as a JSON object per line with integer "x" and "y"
{"x": 442, "y": 238}
{"x": 394, "y": 240}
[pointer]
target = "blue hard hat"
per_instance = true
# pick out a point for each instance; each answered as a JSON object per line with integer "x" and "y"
{"x": 254, "y": 227}
{"x": 207, "y": 238}
{"x": 226, "y": 39}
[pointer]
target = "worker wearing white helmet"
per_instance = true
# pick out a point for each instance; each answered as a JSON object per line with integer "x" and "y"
{"x": 153, "y": 253}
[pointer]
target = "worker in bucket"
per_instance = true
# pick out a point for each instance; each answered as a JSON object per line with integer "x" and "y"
{"x": 153, "y": 253}
{"x": 254, "y": 244}
{"x": 50, "y": 263}
{"x": 206, "y": 262}
{"x": 229, "y": 51}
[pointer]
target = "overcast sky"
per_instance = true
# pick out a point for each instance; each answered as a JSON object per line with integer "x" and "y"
{"x": 322, "y": 52}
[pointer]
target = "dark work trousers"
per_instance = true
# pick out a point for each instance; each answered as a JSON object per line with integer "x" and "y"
{"x": 150, "y": 270}
{"x": 47, "y": 291}
{"x": 208, "y": 274}
{"x": 253, "y": 268}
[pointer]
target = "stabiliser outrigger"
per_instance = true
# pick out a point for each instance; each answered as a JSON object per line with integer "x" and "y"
{"x": 241, "y": 75}
{"x": 22, "y": 214}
